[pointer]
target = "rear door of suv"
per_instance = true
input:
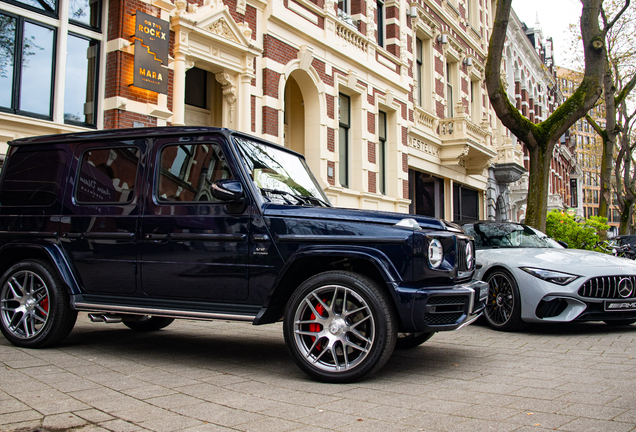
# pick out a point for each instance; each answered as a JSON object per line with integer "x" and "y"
{"x": 194, "y": 247}
{"x": 100, "y": 222}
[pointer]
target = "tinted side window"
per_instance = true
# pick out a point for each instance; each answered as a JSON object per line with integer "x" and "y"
{"x": 107, "y": 175}
{"x": 188, "y": 171}
{"x": 33, "y": 178}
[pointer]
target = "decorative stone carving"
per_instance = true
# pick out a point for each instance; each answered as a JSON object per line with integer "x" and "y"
{"x": 222, "y": 28}
{"x": 241, "y": 6}
{"x": 229, "y": 91}
{"x": 508, "y": 172}
{"x": 245, "y": 29}
{"x": 182, "y": 7}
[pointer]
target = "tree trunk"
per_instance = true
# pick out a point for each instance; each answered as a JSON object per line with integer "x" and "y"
{"x": 539, "y": 180}
{"x": 626, "y": 213}
{"x": 540, "y": 138}
{"x": 609, "y": 142}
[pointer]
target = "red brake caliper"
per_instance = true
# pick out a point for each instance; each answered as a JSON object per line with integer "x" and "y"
{"x": 44, "y": 303}
{"x": 316, "y": 327}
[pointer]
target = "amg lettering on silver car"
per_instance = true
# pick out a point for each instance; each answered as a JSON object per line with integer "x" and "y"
{"x": 631, "y": 305}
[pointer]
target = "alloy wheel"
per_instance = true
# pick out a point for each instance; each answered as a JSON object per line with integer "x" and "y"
{"x": 25, "y": 304}
{"x": 334, "y": 328}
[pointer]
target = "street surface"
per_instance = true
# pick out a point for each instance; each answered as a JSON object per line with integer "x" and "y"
{"x": 219, "y": 376}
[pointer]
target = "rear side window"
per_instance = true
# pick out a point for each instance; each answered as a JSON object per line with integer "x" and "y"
{"x": 107, "y": 176}
{"x": 188, "y": 171}
{"x": 33, "y": 178}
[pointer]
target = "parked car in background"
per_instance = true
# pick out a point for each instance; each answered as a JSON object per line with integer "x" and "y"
{"x": 143, "y": 226}
{"x": 532, "y": 278}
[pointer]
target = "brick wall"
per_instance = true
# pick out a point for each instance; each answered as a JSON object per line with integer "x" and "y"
{"x": 371, "y": 152}
{"x": 270, "y": 121}
{"x": 371, "y": 122}
{"x": 331, "y": 139}
{"x": 372, "y": 182}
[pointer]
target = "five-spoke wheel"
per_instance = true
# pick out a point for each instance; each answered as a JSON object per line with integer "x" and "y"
{"x": 503, "y": 307}
{"x": 339, "y": 326}
{"x": 35, "y": 310}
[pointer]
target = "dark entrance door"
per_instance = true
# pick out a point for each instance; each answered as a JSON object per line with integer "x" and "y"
{"x": 193, "y": 247}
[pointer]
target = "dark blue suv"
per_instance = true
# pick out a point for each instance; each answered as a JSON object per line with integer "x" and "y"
{"x": 143, "y": 226}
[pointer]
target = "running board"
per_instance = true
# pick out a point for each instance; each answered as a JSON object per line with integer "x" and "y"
{"x": 160, "y": 312}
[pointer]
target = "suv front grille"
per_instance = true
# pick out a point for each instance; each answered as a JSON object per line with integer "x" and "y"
{"x": 607, "y": 287}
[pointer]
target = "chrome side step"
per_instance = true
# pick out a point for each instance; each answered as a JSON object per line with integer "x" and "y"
{"x": 101, "y": 309}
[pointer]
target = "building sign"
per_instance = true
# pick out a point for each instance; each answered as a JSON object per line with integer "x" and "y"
{"x": 151, "y": 53}
{"x": 149, "y": 73}
{"x": 154, "y": 33}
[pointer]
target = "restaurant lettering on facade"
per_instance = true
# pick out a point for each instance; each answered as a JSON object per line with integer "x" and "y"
{"x": 151, "y": 53}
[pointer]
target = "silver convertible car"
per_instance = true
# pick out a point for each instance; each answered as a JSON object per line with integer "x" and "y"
{"x": 533, "y": 278}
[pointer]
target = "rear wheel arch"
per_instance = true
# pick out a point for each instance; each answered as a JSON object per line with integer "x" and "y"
{"x": 50, "y": 254}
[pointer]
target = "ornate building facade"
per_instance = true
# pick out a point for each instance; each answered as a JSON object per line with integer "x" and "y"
{"x": 385, "y": 98}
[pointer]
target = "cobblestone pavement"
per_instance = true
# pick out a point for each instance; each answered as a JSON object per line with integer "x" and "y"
{"x": 220, "y": 376}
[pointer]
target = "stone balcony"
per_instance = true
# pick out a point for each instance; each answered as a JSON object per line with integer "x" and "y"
{"x": 465, "y": 143}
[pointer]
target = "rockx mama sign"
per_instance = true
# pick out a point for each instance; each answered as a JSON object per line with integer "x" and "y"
{"x": 151, "y": 53}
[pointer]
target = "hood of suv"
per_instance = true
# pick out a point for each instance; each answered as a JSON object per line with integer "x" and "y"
{"x": 350, "y": 215}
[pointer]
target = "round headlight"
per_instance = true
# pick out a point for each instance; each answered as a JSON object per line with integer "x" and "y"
{"x": 435, "y": 253}
{"x": 469, "y": 256}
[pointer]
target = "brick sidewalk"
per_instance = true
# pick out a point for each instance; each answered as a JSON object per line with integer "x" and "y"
{"x": 214, "y": 376}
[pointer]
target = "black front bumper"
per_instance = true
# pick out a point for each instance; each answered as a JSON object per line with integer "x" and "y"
{"x": 443, "y": 308}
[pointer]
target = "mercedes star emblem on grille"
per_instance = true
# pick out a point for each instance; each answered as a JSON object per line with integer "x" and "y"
{"x": 625, "y": 287}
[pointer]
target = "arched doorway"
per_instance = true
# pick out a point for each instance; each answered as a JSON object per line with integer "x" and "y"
{"x": 294, "y": 118}
{"x": 302, "y": 128}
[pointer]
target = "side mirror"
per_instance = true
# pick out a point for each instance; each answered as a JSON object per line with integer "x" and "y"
{"x": 227, "y": 190}
{"x": 562, "y": 243}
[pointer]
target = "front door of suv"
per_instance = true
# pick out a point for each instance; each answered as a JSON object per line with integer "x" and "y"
{"x": 193, "y": 246}
{"x": 99, "y": 229}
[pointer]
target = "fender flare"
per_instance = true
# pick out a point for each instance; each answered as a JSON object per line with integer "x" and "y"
{"x": 56, "y": 256}
{"x": 377, "y": 258}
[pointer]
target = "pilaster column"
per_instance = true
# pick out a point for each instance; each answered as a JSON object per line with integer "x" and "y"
{"x": 178, "y": 90}
{"x": 245, "y": 104}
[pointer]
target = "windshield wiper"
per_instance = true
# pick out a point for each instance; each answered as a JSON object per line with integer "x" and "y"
{"x": 311, "y": 198}
{"x": 283, "y": 194}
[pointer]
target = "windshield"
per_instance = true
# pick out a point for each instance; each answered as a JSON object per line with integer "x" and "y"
{"x": 281, "y": 176}
{"x": 505, "y": 235}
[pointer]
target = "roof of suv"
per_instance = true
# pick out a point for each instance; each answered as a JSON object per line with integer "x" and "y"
{"x": 150, "y": 132}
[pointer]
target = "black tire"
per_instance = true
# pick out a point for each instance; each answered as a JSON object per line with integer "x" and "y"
{"x": 148, "y": 323}
{"x": 340, "y": 326}
{"x": 36, "y": 309}
{"x": 619, "y": 323}
{"x": 503, "y": 306}
{"x": 411, "y": 340}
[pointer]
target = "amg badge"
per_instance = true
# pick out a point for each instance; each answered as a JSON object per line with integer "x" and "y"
{"x": 623, "y": 306}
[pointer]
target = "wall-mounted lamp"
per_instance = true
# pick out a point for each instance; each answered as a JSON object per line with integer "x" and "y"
{"x": 468, "y": 61}
{"x": 442, "y": 38}
{"x": 413, "y": 12}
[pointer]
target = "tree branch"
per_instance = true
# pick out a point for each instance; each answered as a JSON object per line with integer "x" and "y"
{"x": 626, "y": 90}
{"x": 618, "y": 15}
